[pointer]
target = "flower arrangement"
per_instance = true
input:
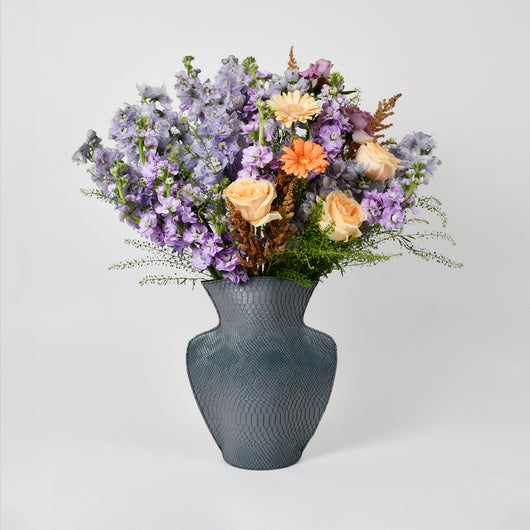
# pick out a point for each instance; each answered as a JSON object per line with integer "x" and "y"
{"x": 257, "y": 174}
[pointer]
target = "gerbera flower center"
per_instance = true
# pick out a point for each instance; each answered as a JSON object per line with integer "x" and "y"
{"x": 293, "y": 107}
{"x": 304, "y": 160}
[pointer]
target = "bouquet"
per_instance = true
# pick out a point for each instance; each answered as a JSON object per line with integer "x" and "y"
{"x": 258, "y": 174}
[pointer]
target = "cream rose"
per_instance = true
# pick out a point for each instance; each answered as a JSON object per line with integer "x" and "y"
{"x": 345, "y": 212}
{"x": 253, "y": 199}
{"x": 382, "y": 164}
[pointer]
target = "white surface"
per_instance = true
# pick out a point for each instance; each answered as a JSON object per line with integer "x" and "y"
{"x": 428, "y": 425}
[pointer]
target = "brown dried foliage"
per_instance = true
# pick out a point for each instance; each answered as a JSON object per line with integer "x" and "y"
{"x": 278, "y": 232}
{"x": 292, "y": 65}
{"x": 384, "y": 111}
{"x": 249, "y": 244}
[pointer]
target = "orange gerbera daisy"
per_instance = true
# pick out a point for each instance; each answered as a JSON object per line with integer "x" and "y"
{"x": 291, "y": 107}
{"x": 302, "y": 157}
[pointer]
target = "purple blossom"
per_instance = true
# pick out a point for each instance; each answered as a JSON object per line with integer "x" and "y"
{"x": 373, "y": 206}
{"x": 291, "y": 81}
{"x": 187, "y": 88}
{"x": 166, "y": 205}
{"x": 394, "y": 195}
{"x": 257, "y": 156}
{"x": 416, "y": 148}
{"x": 385, "y": 208}
{"x": 393, "y": 218}
{"x": 359, "y": 118}
{"x": 195, "y": 234}
{"x": 212, "y": 244}
{"x": 226, "y": 260}
{"x": 154, "y": 94}
{"x": 237, "y": 275}
{"x": 200, "y": 260}
{"x": 250, "y": 172}
{"x": 83, "y": 154}
{"x": 170, "y": 232}
{"x": 149, "y": 169}
{"x": 321, "y": 68}
{"x": 330, "y": 138}
{"x": 147, "y": 223}
{"x": 186, "y": 214}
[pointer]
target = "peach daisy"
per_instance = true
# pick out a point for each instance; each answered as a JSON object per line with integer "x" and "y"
{"x": 291, "y": 107}
{"x": 302, "y": 157}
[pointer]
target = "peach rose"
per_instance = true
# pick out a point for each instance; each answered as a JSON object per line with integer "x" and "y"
{"x": 253, "y": 199}
{"x": 345, "y": 212}
{"x": 382, "y": 164}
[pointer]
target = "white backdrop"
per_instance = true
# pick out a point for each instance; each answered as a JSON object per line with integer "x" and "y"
{"x": 428, "y": 424}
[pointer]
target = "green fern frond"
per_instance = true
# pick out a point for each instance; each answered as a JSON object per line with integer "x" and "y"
{"x": 295, "y": 276}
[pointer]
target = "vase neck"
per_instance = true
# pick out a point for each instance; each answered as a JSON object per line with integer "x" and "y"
{"x": 264, "y": 301}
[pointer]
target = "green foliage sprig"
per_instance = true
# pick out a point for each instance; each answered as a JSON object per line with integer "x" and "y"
{"x": 311, "y": 255}
{"x": 157, "y": 255}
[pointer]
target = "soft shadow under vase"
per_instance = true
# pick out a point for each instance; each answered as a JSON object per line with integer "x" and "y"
{"x": 262, "y": 378}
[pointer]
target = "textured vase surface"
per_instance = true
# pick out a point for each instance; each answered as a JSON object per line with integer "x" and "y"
{"x": 262, "y": 378}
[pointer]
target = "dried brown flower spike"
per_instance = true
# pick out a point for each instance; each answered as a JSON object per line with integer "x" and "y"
{"x": 384, "y": 111}
{"x": 248, "y": 243}
{"x": 292, "y": 65}
{"x": 278, "y": 232}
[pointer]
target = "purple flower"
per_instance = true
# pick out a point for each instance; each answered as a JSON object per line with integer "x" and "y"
{"x": 83, "y": 154}
{"x": 147, "y": 223}
{"x": 170, "y": 232}
{"x": 149, "y": 171}
{"x": 200, "y": 260}
{"x": 359, "y": 118}
{"x": 416, "y": 148}
{"x": 250, "y": 172}
{"x": 226, "y": 260}
{"x": 238, "y": 275}
{"x": 385, "y": 208}
{"x": 256, "y": 156}
{"x": 166, "y": 205}
{"x": 154, "y": 94}
{"x": 186, "y": 214}
{"x": 195, "y": 234}
{"x": 321, "y": 68}
{"x": 372, "y": 205}
{"x": 393, "y": 218}
{"x": 394, "y": 195}
{"x": 212, "y": 244}
{"x": 331, "y": 140}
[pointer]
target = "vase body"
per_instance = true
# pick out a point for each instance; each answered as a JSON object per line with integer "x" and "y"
{"x": 261, "y": 378}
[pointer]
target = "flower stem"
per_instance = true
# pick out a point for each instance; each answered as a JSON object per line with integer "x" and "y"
{"x": 120, "y": 188}
{"x": 410, "y": 192}
{"x": 216, "y": 275}
{"x": 261, "y": 141}
{"x": 141, "y": 149}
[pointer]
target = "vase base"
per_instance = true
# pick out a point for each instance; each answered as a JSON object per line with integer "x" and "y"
{"x": 261, "y": 466}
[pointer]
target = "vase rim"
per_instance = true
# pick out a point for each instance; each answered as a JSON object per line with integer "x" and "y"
{"x": 314, "y": 283}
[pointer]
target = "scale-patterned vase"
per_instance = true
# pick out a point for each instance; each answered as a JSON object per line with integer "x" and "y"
{"x": 262, "y": 378}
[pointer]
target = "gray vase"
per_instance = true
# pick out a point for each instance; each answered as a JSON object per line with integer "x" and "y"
{"x": 262, "y": 378}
